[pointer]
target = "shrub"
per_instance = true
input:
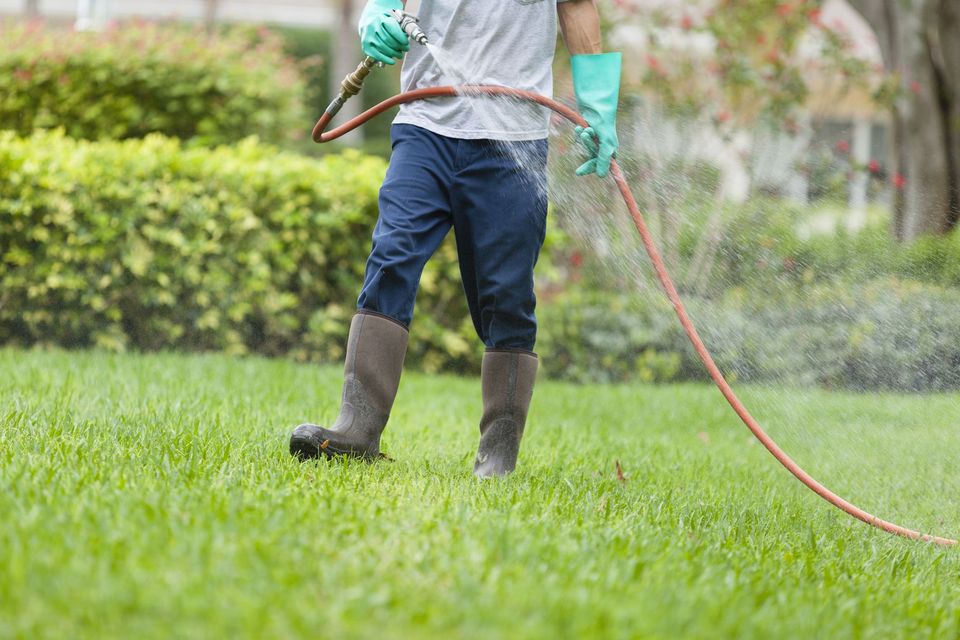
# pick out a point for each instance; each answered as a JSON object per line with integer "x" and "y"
{"x": 147, "y": 244}
{"x": 587, "y": 335}
{"x": 882, "y": 335}
{"x": 761, "y": 246}
{"x": 886, "y": 334}
{"x": 138, "y": 78}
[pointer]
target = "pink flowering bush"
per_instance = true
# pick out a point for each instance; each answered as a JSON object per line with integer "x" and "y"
{"x": 753, "y": 66}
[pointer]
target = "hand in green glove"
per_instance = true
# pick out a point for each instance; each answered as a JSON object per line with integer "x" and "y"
{"x": 596, "y": 82}
{"x": 380, "y": 34}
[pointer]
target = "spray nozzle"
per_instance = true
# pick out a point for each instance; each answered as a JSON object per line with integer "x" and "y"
{"x": 352, "y": 84}
{"x": 410, "y": 25}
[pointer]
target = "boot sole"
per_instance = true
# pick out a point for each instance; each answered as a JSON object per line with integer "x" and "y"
{"x": 309, "y": 446}
{"x": 305, "y": 448}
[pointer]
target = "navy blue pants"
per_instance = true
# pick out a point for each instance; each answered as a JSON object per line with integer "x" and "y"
{"x": 497, "y": 210}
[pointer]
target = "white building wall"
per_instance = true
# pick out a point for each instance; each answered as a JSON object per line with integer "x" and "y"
{"x": 312, "y": 13}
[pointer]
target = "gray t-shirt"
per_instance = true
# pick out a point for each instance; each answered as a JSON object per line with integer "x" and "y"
{"x": 503, "y": 42}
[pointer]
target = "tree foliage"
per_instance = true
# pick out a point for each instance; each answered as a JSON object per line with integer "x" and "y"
{"x": 736, "y": 61}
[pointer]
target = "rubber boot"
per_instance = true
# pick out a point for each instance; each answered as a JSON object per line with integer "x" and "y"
{"x": 374, "y": 362}
{"x": 507, "y": 377}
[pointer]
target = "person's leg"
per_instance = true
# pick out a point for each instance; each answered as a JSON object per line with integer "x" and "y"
{"x": 500, "y": 214}
{"x": 500, "y": 209}
{"x": 414, "y": 218}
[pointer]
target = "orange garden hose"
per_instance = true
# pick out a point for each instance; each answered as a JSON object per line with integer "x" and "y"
{"x": 439, "y": 92}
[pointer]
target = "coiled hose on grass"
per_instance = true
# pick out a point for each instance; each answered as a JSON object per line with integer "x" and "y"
{"x": 319, "y": 135}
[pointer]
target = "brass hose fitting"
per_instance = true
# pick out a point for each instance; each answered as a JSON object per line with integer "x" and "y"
{"x": 352, "y": 84}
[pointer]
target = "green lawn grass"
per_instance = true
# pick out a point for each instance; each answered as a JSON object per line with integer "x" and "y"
{"x": 153, "y": 496}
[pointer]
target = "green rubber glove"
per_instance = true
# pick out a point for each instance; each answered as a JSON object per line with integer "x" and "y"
{"x": 380, "y": 34}
{"x": 596, "y": 82}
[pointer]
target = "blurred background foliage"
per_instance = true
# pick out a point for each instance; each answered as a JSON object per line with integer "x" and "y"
{"x": 313, "y": 49}
{"x": 139, "y": 78}
{"x": 137, "y": 213}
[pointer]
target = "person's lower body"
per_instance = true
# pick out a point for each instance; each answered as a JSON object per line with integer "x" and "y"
{"x": 493, "y": 195}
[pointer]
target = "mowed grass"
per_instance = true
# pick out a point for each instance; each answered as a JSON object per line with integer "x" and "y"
{"x": 153, "y": 497}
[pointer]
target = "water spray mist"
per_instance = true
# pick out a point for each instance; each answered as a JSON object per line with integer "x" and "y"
{"x": 351, "y": 86}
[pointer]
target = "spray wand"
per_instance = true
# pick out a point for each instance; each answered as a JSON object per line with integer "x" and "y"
{"x": 352, "y": 84}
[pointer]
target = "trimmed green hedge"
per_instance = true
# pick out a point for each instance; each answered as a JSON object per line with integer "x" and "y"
{"x": 150, "y": 244}
{"x": 137, "y": 78}
{"x": 147, "y": 244}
